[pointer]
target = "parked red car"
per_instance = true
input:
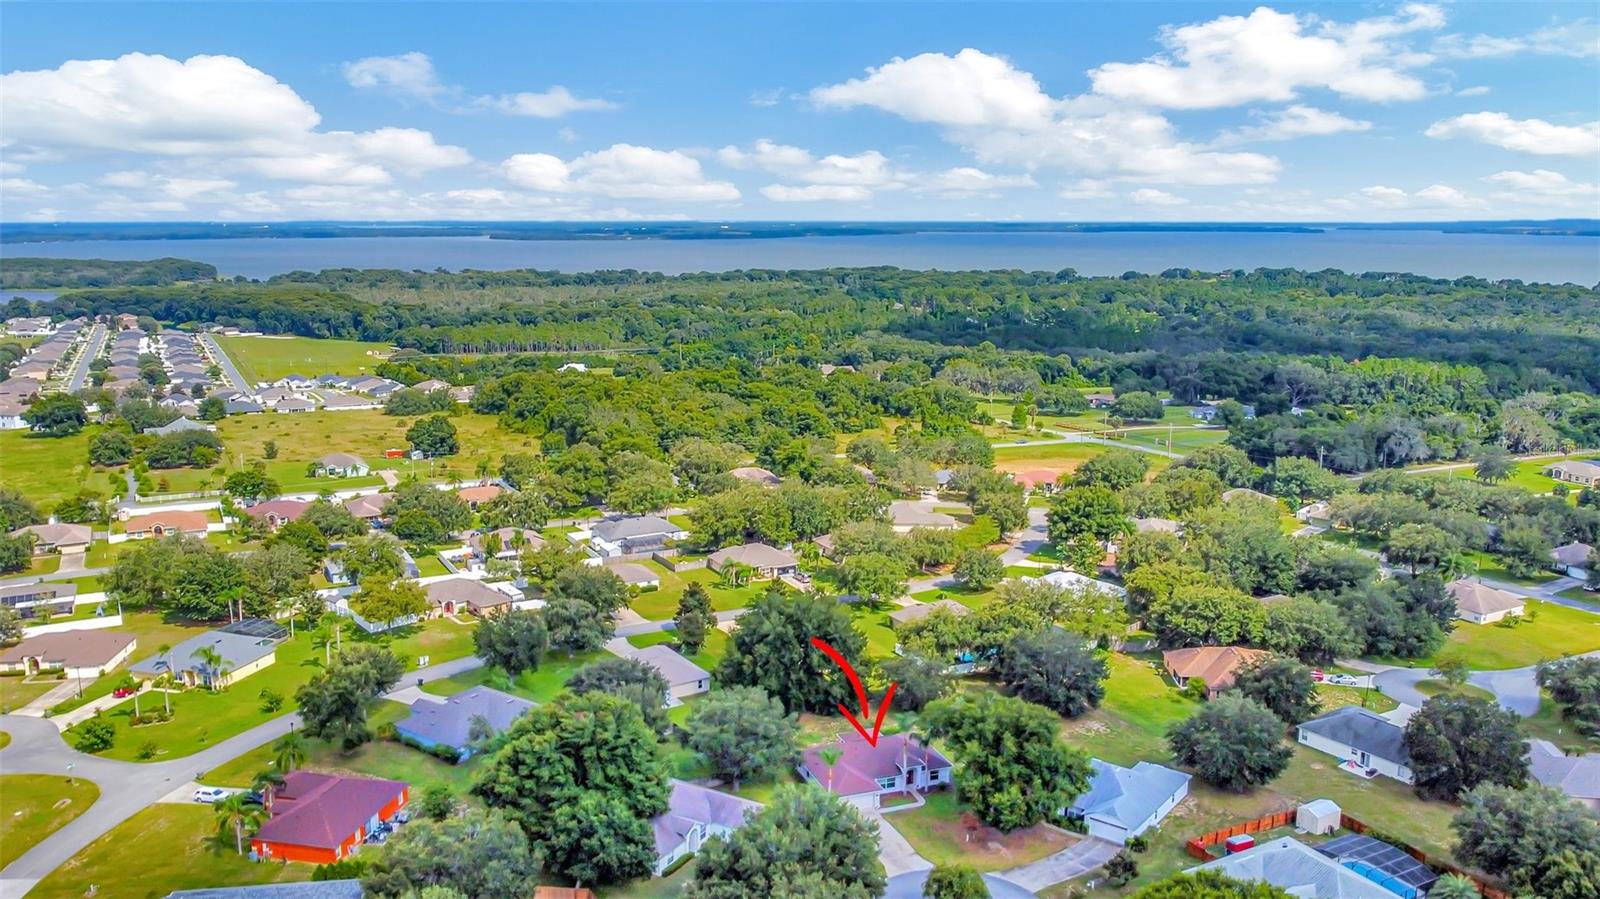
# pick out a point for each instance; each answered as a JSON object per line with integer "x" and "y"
{"x": 123, "y": 692}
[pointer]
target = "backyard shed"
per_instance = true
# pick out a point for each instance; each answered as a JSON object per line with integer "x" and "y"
{"x": 1317, "y": 816}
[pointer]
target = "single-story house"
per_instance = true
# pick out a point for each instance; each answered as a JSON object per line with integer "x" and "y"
{"x": 321, "y": 818}
{"x": 1480, "y": 603}
{"x": 766, "y": 561}
{"x": 448, "y": 721}
{"x": 942, "y": 477}
{"x": 907, "y": 514}
{"x": 1037, "y": 480}
{"x": 1238, "y": 493}
{"x": 178, "y": 426}
{"x": 907, "y": 614}
{"x": 339, "y": 401}
{"x": 1071, "y": 580}
{"x": 1099, "y": 400}
{"x": 865, "y": 772}
{"x": 61, "y": 538}
{"x": 1578, "y": 776}
{"x": 1297, "y": 868}
{"x": 1217, "y": 666}
{"x": 1571, "y": 559}
{"x": 294, "y": 404}
{"x": 342, "y": 465}
{"x": 27, "y": 599}
{"x": 431, "y": 385}
{"x": 824, "y": 544}
{"x": 275, "y": 513}
{"x": 1576, "y": 471}
{"x": 629, "y": 536}
{"x": 1317, "y": 514}
{"x": 695, "y": 814}
{"x": 80, "y": 654}
{"x": 368, "y": 508}
{"x": 1207, "y": 411}
{"x": 1158, "y": 526}
{"x": 166, "y": 524}
{"x": 375, "y": 386}
{"x": 753, "y": 475}
{"x": 684, "y": 678}
{"x": 11, "y": 409}
{"x": 635, "y": 575}
{"x": 477, "y": 495}
{"x": 1123, "y": 803}
{"x": 295, "y": 382}
{"x": 460, "y": 594}
{"x": 1362, "y": 740}
{"x": 512, "y": 542}
{"x": 241, "y": 405}
{"x": 242, "y": 655}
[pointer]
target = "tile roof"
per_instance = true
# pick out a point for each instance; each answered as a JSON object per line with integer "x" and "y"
{"x": 1216, "y": 665}
{"x": 689, "y": 805}
{"x": 676, "y": 669}
{"x": 176, "y": 519}
{"x": 460, "y": 590}
{"x": 861, "y": 764}
{"x": 450, "y": 721}
{"x": 531, "y": 539}
{"x": 1363, "y": 730}
{"x": 73, "y": 649}
{"x": 325, "y": 810}
{"x": 481, "y": 493}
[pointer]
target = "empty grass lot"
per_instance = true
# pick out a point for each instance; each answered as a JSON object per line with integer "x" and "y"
{"x": 270, "y": 358}
{"x": 1553, "y": 632}
{"x": 711, "y": 652}
{"x": 47, "y": 469}
{"x": 661, "y": 604}
{"x": 936, "y": 832}
{"x": 36, "y": 806}
{"x": 163, "y": 848}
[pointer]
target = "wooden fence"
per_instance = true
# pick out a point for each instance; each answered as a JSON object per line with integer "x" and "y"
{"x": 1198, "y": 847}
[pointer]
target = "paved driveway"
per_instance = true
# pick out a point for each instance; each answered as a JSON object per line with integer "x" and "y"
{"x": 1076, "y": 860}
{"x": 893, "y": 850}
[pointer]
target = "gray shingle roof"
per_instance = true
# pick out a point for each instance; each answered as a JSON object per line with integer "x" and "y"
{"x": 1576, "y": 775}
{"x": 1128, "y": 796}
{"x": 450, "y": 722}
{"x": 689, "y": 805}
{"x": 1296, "y": 867}
{"x": 675, "y": 668}
{"x": 1363, "y": 730}
{"x": 614, "y": 529}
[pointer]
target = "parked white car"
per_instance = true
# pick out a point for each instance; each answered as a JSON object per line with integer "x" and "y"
{"x": 210, "y": 794}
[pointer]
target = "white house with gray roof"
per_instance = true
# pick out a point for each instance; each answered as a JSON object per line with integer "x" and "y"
{"x": 448, "y": 721}
{"x": 1365, "y": 742}
{"x": 1578, "y": 776}
{"x": 684, "y": 678}
{"x": 241, "y": 656}
{"x": 695, "y": 814}
{"x": 1123, "y": 803}
{"x": 631, "y": 536}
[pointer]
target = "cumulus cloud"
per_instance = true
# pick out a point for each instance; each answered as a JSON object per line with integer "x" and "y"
{"x": 551, "y": 104}
{"x": 1149, "y": 196}
{"x": 1002, "y": 116}
{"x": 622, "y": 171}
{"x": 1474, "y": 91}
{"x": 853, "y": 177}
{"x": 812, "y": 193}
{"x": 409, "y": 74}
{"x": 213, "y": 108}
{"x": 1579, "y": 39}
{"x": 1523, "y": 135}
{"x": 1544, "y": 187}
{"x": 1293, "y": 122}
{"x": 1434, "y": 196}
{"x": 1271, "y": 56}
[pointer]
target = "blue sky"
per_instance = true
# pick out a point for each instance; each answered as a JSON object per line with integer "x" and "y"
{"x": 1082, "y": 111}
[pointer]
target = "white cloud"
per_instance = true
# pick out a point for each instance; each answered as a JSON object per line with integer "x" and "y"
{"x": 1086, "y": 189}
{"x": 766, "y": 97}
{"x": 179, "y": 188}
{"x": 1270, "y": 56}
{"x": 1579, "y": 39}
{"x": 1475, "y": 91}
{"x": 214, "y": 109}
{"x": 1149, "y": 196}
{"x": 21, "y": 186}
{"x": 1523, "y": 135}
{"x": 970, "y": 89}
{"x": 1435, "y": 196}
{"x": 969, "y": 180}
{"x": 1545, "y": 187}
{"x": 1002, "y": 116}
{"x": 409, "y": 74}
{"x": 810, "y": 193}
{"x": 623, "y": 171}
{"x": 1293, "y": 122}
{"x": 551, "y": 104}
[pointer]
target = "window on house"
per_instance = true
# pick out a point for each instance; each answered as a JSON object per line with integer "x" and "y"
{"x": 886, "y": 783}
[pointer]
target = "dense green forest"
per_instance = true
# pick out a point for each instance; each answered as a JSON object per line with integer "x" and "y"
{"x": 49, "y": 274}
{"x": 1376, "y": 369}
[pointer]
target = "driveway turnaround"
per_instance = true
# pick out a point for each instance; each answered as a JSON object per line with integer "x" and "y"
{"x": 127, "y": 787}
{"x": 1074, "y": 861}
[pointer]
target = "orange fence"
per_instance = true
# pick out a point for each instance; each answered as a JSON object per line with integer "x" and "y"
{"x": 1197, "y": 847}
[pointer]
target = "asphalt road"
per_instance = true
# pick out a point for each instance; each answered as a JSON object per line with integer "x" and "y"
{"x": 126, "y": 787}
{"x": 230, "y": 372}
{"x": 80, "y": 369}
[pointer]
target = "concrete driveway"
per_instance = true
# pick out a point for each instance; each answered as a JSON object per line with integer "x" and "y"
{"x": 909, "y": 886}
{"x": 893, "y": 850}
{"x": 1076, "y": 860}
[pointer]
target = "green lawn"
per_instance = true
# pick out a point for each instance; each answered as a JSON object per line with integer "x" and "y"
{"x": 163, "y": 848}
{"x": 661, "y": 604}
{"x": 36, "y": 806}
{"x": 1333, "y": 697}
{"x": 16, "y": 692}
{"x": 1436, "y": 687}
{"x": 270, "y": 358}
{"x": 874, "y": 625}
{"x": 46, "y": 563}
{"x": 48, "y": 469}
{"x": 540, "y": 685}
{"x": 1490, "y": 566}
{"x": 935, "y": 831}
{"x": 1553, "y": 632}
{"x": 1183, "y": 440}
{"x": 1547, "y": 725}
{"x": 1529, "y": 475}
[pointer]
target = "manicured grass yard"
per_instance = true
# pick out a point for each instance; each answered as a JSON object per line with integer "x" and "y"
{"x": 1529, "y": 475}
{"x": 874, "y": 625}
{"x": 1183, "y": 439}
{"x": 163, "y": 848}
{"x": 36, "y": 806}
{"x": 48, "y": 469}
{"x": 1553, "y": 632}
{"x": 270, "y": 358}
{"x": 661, "y": 604}
{"x": 16, "y": 692}
{"x": 936, "y": 833}
{"x": 1547, "y": 725}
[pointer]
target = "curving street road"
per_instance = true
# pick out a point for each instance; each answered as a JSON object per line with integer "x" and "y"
{"x": 126, "y": 787}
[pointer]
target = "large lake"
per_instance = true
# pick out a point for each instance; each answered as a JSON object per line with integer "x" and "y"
{"x": 1431, "y": 253}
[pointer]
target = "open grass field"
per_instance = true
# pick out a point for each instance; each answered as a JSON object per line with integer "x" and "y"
{"x": 158, "y": 850}
{"x": 1553, "y": 632}
{"x": 1530, "y": 475}
{"x": 36, "y": 806}
{"x": 661, "y": 603}
{"x": 540, "y": 685}
{"x": 711, "y": 652}
{"x": 47, "y": 469}
{"x": 935, "y": 831}
{"x": 1177, "y": 439}
{"x": 270, "y": 358}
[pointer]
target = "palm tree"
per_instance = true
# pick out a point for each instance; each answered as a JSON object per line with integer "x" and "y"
{"x": 212, "y": 666}
{"x": 165, "y": 652}
{"x": 267, "y": 783}
{"x": 235, "y": 814}
{"x": 830, "y": 757}
{"x": 291, "y": 752}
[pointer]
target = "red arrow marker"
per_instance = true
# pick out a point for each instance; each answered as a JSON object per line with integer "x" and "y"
{"x": 861, "y": 694}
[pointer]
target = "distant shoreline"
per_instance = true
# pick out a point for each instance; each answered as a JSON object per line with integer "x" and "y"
{"x": 21, "y": 233}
